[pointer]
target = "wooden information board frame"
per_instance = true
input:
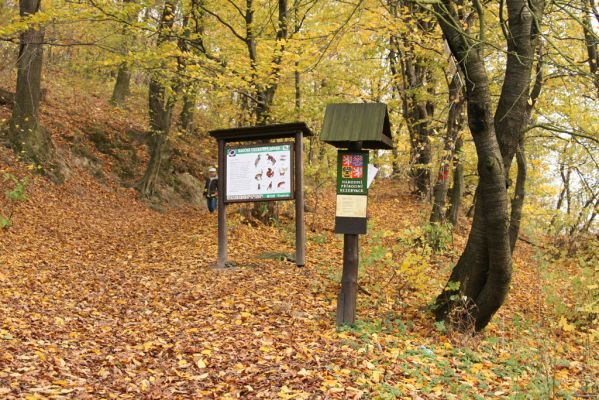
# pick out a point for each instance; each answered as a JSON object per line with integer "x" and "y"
{"x": 296, "y": 131}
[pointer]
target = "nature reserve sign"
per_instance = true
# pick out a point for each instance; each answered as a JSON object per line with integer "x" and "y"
{"x": 352, "y": 192}
{"x": 354, "y": 128}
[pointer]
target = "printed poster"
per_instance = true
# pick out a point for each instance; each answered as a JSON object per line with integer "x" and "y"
{"x": 255, "y": 173}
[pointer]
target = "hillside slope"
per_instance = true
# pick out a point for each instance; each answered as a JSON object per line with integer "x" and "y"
{"x": 110, "y": 143}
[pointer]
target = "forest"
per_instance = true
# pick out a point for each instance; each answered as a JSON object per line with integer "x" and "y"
{"x": 477, "y": 278}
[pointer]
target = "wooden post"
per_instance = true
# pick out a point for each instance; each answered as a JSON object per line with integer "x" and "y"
{"x": 300, "y": 227}
{"x": 346, "y": 301}
{"x": 222, "y": 212}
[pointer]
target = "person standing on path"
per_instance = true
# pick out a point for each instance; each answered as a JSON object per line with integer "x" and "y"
{"x": 211, "y": 189}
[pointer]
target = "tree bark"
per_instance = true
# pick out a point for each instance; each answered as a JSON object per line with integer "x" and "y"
{"x": 520, "y": 190}
{"x": 26, "y": 135}
{"x": 186, "y": 44}
{"x": 296, "y": 72}
{"x": 186, "y": 118}
{"x": 264, "y": 94}
{"x": 589, "y": 223}
{"x": 512, "y": 114}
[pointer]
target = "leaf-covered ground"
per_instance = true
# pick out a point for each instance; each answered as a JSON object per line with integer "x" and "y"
{"x": 101, "y": 297}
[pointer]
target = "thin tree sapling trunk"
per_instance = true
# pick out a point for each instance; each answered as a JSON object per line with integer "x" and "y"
{"x": 518, "y": 199}
{"x": 458, "y": 184}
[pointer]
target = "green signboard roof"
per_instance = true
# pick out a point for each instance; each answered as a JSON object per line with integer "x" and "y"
{"x": 357, "y": 122}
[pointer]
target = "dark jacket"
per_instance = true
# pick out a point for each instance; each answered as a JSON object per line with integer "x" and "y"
{"x": 211, "y": 187}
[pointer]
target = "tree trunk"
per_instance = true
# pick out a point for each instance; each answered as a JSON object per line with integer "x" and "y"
{"x": 454, "y": 125}
{"x": 148, "y": 184}
{"x": 576, "y": 226}
{"x": 484, "y": 270}
{"x": 186, "y": 44}
{"x": 186, "y": 118}
{"x": 458, "y": 185}
{"x": 160, "y": 108}
{"x": 411, "y": 73}
{"x": 518, "y": 199}
{"x": 421, "y": 170}
{"x": 512, "y": 115}
{"x": 123, "y": 78}
{"x": 264, "y": 95}
{"x": 589, "y": 223}
{"x": 564, "y": 192}
{"x": 519, "y": 191}
{"x": 122, "y": 85}
{"x": 26, "y": 135}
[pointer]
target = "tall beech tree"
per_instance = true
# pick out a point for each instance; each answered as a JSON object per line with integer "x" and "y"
{"x": 161, "y": 101}
{"x": 484, "y": 269}
{"x": 26, "y": 135}
{"x": 412, "y": 78}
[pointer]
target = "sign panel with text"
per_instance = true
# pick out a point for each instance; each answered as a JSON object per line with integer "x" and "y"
{"x": 352, "y": 192}
{"x": 259, "y": 173}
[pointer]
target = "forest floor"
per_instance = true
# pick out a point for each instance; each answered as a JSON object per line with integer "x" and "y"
{"x": 102, "y": 297}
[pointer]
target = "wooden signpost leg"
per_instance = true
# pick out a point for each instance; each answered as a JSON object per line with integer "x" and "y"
{"x": 300, "y": 227}
{"x": 346, "y": 301}
{"x": 222, "y": 212}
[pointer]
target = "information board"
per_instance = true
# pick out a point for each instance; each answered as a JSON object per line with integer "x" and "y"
{"x": 259, "y": 172}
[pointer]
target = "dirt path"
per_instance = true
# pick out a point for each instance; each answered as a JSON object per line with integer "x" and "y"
{"x": 101, "y": 296}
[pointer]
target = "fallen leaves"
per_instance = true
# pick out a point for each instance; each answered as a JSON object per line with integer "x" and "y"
{"x": 103, "y": 298}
